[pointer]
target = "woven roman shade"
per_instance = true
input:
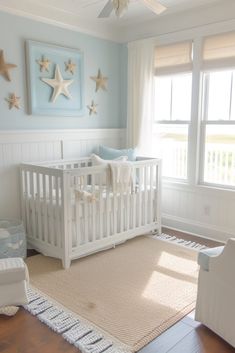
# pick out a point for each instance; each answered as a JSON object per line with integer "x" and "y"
{"x": 219, "y": 51}
{"x": 173, "y": 58}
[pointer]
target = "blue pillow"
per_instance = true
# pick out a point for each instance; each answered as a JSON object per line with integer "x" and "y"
{"x": 112, "y": 153}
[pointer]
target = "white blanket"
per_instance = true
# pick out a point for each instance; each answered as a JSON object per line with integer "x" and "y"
{"x": 121, "y": 176}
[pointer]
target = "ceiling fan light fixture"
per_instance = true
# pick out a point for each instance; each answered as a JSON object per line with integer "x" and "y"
{"x": 120, "y": 6}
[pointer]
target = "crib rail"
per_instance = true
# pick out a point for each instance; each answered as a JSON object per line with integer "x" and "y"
{"x": 41, "y": 201}
{"x": 113, "y": 216}
{"x": 70, "y": 209}
{"x": 64, "y": 164}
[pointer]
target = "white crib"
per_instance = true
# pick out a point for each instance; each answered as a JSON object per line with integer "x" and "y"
{"x": 60, "y": 225}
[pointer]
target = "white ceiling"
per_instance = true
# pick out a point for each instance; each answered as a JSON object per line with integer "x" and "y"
{"x": 137, "y": 22}
{"x": 137, "y": 12}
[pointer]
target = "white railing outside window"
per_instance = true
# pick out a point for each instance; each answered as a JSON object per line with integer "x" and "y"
{"x": 219, "y": 164}
{"x": 174, "y": 157}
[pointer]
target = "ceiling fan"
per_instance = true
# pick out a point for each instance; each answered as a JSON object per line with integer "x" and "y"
{"x": 119, "y": 6}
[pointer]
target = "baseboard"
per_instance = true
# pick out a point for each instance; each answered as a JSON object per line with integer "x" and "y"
{"x": 204, "y": 230}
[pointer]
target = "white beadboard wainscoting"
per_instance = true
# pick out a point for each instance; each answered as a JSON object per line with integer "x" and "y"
{"x": 204, "y": 211}
{"x": 44, "y": 145}
{"x": 199, "y": 210}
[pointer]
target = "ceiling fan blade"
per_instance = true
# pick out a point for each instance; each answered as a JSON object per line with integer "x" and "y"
{"x": 154, "y": 6}
{"x": 107, "y": 10}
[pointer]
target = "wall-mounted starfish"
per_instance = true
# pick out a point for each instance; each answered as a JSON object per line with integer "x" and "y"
{"x": 59, "y": 85}
{"x": 92, "y": 108}
{"x": 70, "y": 66}
{"x": 13, "y": 101}
{"x": 100, "y": 80}
{"x": 44, "y": 64}
{"x": 5, "y": 67}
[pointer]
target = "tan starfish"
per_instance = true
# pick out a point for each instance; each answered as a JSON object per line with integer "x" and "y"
{"x": 100, "y": 80}
{"x": 13, "y": 101}
{"x": 44, "y": 64}
{"x": 92, "y": 108}
{"x": 70, "y": 66}
{"x": 59, "y": 85}
{"x": 5, "y": 67}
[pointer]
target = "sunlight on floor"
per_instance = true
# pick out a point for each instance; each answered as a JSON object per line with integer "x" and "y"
{"x": 165, "y": 283}
{"x": 165, "y": 290}
{"x": 171, "y": 262}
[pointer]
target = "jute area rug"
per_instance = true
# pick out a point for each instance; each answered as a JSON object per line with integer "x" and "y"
{"x": 133, "y": 292}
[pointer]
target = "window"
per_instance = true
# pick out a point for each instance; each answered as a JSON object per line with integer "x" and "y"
{"x": 173, "y": 91}
{"x": 218, "y": 128}
{"x": 218, "y": 115}
{"x": 196, "y": 101}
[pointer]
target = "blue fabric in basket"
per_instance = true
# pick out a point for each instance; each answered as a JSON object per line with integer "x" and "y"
{"x": 12, "y": 239}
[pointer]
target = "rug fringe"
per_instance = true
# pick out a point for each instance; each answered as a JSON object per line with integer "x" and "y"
{"x": 86, "y": 339}
{"x": 183, "y": 242}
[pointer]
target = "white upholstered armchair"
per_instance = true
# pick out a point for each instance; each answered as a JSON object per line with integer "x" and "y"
{"x": 216, "y": 290}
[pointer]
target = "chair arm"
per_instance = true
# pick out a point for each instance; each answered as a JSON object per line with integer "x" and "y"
{"x": 204, "y": 257}
{"x": 224, "y": 264}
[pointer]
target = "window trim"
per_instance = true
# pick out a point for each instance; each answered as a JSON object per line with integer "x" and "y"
{"x": 178, "y": 122}
{"x": 204, "y": 122}
{"x": 194, "y": 182}
{"x": 172, "y": 122}
{"x": 205, "y": 94}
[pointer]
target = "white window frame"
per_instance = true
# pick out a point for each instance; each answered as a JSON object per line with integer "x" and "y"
{"x": 196, "y": 135}
{"x": 204, "y": 123}
{"x": 178, "y": 122}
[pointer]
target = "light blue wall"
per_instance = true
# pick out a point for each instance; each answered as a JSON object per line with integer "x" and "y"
{"x": 110, "y": 57}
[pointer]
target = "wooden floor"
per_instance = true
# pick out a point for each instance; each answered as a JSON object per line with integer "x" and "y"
{"x": 24, "y": 333}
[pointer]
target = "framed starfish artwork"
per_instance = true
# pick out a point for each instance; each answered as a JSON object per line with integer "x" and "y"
{"x": 55, "y": 80}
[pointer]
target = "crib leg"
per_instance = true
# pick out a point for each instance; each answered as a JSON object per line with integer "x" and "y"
{"x": 66, "y": 263}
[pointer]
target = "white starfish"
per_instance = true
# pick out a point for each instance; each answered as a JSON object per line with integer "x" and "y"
{"x": 59, "y": 85}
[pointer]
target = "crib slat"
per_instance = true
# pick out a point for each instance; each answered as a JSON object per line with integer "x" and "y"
{"x": 51, "y": 212}
{"x": 121, "y": 212}
{"x": 93, "y": 210}
{"x": 156, "y": 195}
{"x": 134, "y": 199}
{"x": 86, "y": 215}
{"x": 101, "y": 207}
{"x": 107, "y": 205}
{"x": 45, "y": 208}
{"x": 33, "y": 210}
{"x": 140, "y": 212}
{"x": 150, "y": 206}
{"x": 26, "y": 191}
{"x": 39, "y": 211}
{"x": 77, "y": 222}
{"x": 128, "y": 210}
{"x": 57, "y": 232}
{"x": 115, "y": 213}
{"x": 145, "y": 195}
{"x": 22, "y": 197}
{"x": 159, "y": 196}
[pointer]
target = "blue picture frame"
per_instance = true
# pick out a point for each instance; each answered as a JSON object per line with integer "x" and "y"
{"x": 39, "y": 93}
